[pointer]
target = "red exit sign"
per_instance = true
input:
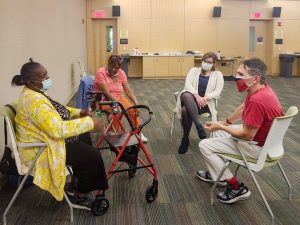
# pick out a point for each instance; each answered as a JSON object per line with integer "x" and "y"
{"x": 256, "y": 15}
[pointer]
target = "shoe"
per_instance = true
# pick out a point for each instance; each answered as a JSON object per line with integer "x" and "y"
{"x": 231, "y": 196}
{"x": 184, "y": 145}
{"x": 143, "y": 138}
{"x": 201, "y": 132}
{"x": 85, "y": 202}
{"x": 205, "y": 176}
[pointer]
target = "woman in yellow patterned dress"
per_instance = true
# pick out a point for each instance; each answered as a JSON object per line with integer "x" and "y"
{"x": 64, "y": 130}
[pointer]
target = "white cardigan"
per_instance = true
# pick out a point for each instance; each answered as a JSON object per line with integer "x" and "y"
{"x": 213, "y": 89}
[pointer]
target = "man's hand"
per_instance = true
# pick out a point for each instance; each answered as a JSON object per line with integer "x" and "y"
{"x": 86, "y": 112}
{"x": 213, "y": 126}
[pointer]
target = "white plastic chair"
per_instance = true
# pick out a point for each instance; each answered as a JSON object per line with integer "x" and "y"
{"x": 270, "y": 155}
{"x": 202, "y": 116}
{"x": 9, "y": 117}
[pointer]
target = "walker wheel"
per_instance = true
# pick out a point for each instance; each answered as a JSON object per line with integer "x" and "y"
{"x": 100, "y": 206}
{"x": 152, "y": 192}
{"x": 131, "y": 171}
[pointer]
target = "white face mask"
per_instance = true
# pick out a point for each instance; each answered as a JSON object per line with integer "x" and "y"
{"x": 206, "y": 66}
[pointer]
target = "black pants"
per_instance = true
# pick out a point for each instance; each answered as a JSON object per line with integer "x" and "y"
{"x": 87, "y": 164}
{"x": 190, "y": 114}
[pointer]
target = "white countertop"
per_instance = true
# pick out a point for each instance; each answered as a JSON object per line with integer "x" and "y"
{"x": 161, "y": 55}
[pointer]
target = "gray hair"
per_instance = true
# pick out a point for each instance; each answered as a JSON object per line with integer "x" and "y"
{"x": 256, "y": 66}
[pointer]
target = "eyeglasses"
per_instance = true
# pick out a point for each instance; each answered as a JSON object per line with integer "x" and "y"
{"x": 208, "y": 62}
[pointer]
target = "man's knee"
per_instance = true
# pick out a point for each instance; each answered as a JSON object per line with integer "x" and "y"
{"x": 204, "y": 146}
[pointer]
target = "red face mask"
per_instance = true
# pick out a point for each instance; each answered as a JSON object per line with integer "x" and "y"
{"x": 241, "y": 84}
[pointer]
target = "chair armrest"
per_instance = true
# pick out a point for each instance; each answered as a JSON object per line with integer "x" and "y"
{"x": 175, "y": 94}
{"x": 241, "y": 140}
{"x": 32, "y": 145}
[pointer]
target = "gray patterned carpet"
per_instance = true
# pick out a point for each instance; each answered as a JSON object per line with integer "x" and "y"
{"x": 182, "y": 198}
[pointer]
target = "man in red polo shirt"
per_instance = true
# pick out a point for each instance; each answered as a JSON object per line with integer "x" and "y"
{"x": 257, "y": 112}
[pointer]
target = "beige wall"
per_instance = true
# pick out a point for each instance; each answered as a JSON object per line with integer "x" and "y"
{"x": 50, "y": 31}
{"x": 181, "y": 25}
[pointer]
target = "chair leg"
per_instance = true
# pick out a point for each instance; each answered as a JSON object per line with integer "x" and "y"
{"x": 257, "y": 185}
{"x": 286, "y": 179}
{"x": 22, "y": 184}
{"x": 172, "y": 125}
{"x": 216, "y": 183}
{"x": 20, "y": 187}
{"x": 261, "y": 194}
{"x": 70, "y": 206}
{"x": 13, "y": 199}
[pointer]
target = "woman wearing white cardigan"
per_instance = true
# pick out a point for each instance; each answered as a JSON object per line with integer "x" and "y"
{"x": 202, "y": 86}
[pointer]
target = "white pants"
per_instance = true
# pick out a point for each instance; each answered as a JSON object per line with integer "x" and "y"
{"x": 223, "y": 143}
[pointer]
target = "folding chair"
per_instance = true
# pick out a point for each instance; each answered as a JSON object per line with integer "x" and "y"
{"x": 8, "y": 112}
{"x": 270, "y": 155}
{"x": 202, "y": 116}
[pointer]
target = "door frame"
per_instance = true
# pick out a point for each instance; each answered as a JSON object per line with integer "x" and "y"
{"x": 268, "y": 40}
{"x": 91, "y": 47}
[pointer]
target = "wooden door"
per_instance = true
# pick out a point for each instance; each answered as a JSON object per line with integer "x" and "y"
{"x": 260, "y": 37}
{"x": 104, "y": 41}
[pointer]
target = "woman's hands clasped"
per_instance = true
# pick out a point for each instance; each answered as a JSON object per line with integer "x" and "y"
{"x": 201, "y": 101}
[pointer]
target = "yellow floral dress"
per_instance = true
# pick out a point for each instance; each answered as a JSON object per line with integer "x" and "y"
{"x": 38, "y": 121}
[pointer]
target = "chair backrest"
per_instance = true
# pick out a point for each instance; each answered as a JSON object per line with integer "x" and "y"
{"x": 273, "y": 147}
{"x": 9, "y": 117}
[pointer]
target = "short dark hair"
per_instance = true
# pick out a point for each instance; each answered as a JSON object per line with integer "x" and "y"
{"x": 26, "y": 73}
{"x": 256, "y": 66}
{"x": 115, "y": 59}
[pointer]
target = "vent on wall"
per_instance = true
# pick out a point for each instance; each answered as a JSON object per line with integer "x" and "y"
{"x": 116, "y": 10}
{"x": 217, "y": 11}
{"x": 276, "y": 11}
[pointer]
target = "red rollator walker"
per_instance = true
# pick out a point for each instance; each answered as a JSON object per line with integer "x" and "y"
{"x": 125, "y": 142}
